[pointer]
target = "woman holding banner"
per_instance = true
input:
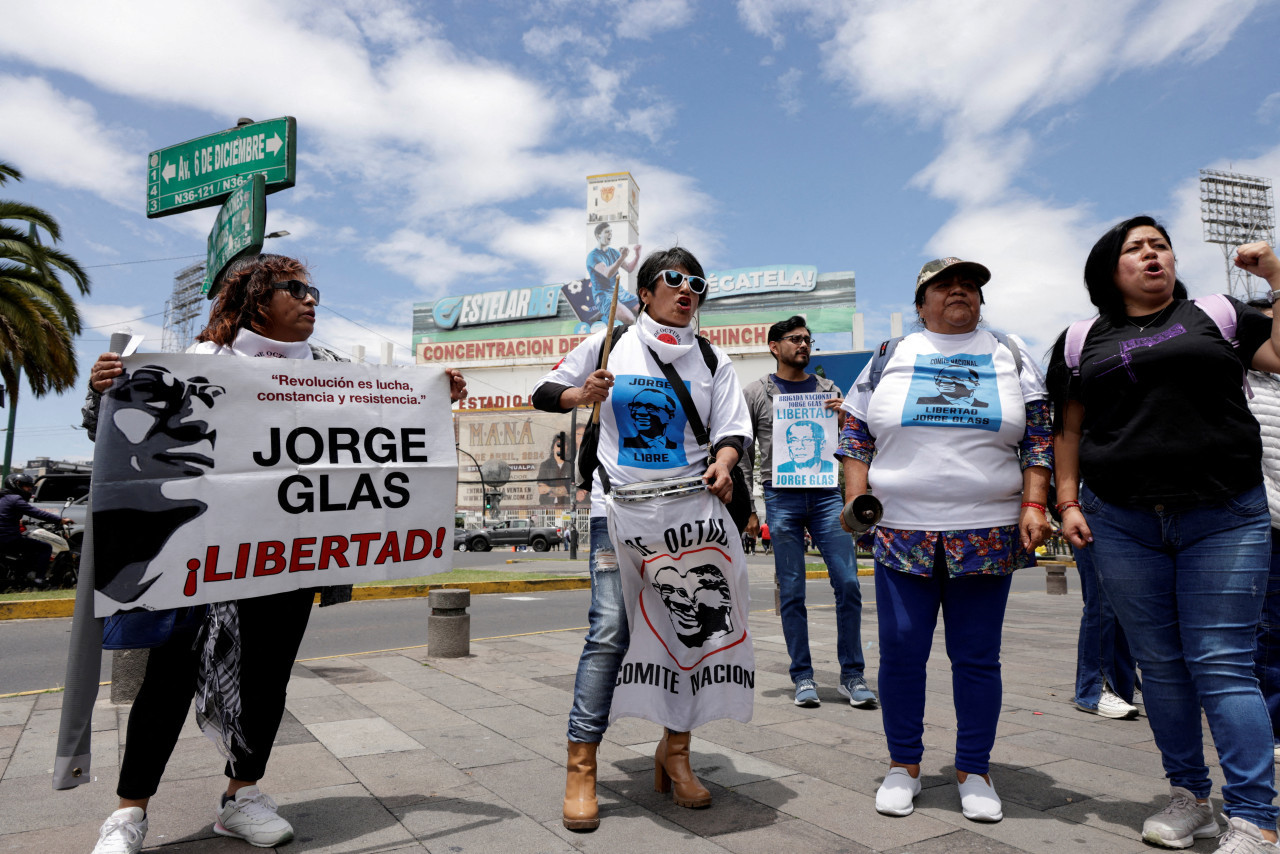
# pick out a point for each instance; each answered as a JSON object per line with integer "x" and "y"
{"x": 237, "y": 662}
{"x": 668, "y": 636}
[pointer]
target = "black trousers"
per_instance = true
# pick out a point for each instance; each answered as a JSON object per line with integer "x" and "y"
{"x": 271, "y": 630}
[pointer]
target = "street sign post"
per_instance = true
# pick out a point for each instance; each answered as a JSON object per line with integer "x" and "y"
{"x": 237, "y": 231}
{"x": 203, "y": 172}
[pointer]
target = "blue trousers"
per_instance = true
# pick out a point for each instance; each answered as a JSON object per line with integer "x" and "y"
{"x": 790, "y": 512}
{"x": 973, "y": 622}
{"x": 1102, "y": 651}
{"x": 608, "y": 637}
{"x": 1266, "y": 652}
{"x": 1188, "y": 587}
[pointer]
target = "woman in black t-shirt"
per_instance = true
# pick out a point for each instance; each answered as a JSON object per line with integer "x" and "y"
{"x": 1151, "y": 414}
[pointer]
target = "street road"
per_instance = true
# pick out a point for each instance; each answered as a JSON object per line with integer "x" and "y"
{"x": 35, "y": 650}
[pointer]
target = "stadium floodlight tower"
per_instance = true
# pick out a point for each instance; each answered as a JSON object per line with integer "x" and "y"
{"x": 1236, "y": 209}
{"x": 183, "y": 309}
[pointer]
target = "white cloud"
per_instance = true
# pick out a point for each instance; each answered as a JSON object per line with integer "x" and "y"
{"x": 552, "y": 42}
{"x": 643, "y": 19}
{"x": 789, "y": 91}
{"x": 435, "y": 264}
{"x": 1269, "y": 109}
{"x": 974, "y": 170}
{"x": 52, "y": 137}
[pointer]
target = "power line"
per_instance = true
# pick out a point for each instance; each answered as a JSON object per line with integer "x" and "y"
{"x": 147, "y": 261}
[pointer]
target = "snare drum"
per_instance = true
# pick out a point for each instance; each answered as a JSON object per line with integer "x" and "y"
{"x": 646, "y": 490}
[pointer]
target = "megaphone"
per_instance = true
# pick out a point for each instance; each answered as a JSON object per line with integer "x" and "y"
{"x": 862, "y": 513}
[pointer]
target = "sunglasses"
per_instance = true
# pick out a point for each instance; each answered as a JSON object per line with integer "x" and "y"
{"x": 798, "y": 339}
{"x": 674, "y": 278}
{"x": 298, "y": 289}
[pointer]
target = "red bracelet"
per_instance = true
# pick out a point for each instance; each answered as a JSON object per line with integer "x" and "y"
{"x": 1067, "y": 505}
{"x": 1039, "y": 507}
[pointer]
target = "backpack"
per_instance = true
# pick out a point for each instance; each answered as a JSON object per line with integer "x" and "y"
{"x": 1217, "y": 306}
{"x": 881, "y": 358}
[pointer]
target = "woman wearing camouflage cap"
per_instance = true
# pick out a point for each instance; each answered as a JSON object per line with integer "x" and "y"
{"x": 950, "y": 428}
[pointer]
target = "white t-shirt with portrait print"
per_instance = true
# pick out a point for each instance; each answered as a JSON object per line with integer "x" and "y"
{"x": 947, "y": 417}
{"x": 644, "y": 434}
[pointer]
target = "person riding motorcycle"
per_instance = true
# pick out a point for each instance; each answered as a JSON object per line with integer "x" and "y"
{"x": 14, "y": 504}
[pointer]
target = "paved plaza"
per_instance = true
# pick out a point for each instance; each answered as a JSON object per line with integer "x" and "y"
{"x": 400, "y": 752}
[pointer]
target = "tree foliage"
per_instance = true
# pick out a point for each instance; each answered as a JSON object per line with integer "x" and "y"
{"x": 38, "y": 317}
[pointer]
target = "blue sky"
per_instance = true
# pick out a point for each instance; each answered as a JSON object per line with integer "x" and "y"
{"x": 443, "y": 146}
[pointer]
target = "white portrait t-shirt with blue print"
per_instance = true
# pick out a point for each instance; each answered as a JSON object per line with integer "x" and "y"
{"x": 947, "y": 418}
{"x": 644, "y": 434}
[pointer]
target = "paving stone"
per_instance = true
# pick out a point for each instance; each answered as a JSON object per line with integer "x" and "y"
{"x": 344, "y": 671}
{"x": 472, "y": 746}
{"x": 339, "y": 707}
{"x": 958, "y": 842}
{"x": 461, "y": 696}
{"x": 400, "y": 779}
{"x": 339, "y": 820}
{"x": 744, "y": 738}
{"x": 634, "y": 829}
{"x": 481, "y": 825}
{"x": 1108, "y": 755}
{"x": 549, "y": 701}
{"x": 535, "y": 787}
{"x": 788, "y": 835}
{"x": 362, "y": 737}
{"x": 721, "y": 765}
{"x": 514, "y": 721}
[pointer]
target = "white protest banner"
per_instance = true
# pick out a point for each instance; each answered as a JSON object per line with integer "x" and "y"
{"x": 220, "y": 478}
{"x": 805, "y": 435}
{"x": 684, "y": 579}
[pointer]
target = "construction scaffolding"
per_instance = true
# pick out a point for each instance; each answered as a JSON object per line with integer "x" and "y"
{"x": 184, "y": 310}
{"x": 1236, "y": 209}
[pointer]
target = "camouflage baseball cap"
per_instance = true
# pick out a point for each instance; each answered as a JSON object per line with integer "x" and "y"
{"x": 931, "y": 270}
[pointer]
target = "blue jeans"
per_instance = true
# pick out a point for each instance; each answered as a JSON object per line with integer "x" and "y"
{"x": 1188, "y": 587}
{"x": 607, "y": 639}
{"x": 1266, "y": 652}
{"x": 790, "y": 511}
{"x": 973, "y": 620}
{"x": 1102, "y": 651}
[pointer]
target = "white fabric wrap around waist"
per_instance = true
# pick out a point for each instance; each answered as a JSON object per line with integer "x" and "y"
{"x": 684, "y": 581}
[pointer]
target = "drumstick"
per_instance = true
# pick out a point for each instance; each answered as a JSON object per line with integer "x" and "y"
{"x": 608, "y": 341}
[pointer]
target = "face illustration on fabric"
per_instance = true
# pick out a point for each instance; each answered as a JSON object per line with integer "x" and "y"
{"x": 650, "y": 423}
{"x": 698, "y": 602}
{"x": 804, "y": 441}
{"x": 156, "y": 412}
{"x": 953, "y": 391}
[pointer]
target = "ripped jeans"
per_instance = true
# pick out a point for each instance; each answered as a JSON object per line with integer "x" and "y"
{"x": 606, "y": 644}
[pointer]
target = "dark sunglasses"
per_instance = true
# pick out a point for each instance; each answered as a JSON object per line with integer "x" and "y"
{"x": 298, "y": 289}
{"x": 674, "y": 278}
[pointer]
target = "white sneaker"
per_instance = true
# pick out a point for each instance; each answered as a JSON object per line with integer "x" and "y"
{"x": 978, "y": 799}
{"x": 1181, "y": 823}
{"x": 1243, "y": 837}
{"x": 251, "y": 816}
{"x": 896, "y": 793}
{"x": 1110, "y": 705}
{"x": 122, "y": 832}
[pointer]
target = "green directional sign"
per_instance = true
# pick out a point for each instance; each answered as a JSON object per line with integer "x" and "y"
{"x": 238, "y": 231}
{"x": 203, "y": 172}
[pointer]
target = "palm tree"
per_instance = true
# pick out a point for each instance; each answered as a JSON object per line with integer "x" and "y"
{"x": 38, "y": 318}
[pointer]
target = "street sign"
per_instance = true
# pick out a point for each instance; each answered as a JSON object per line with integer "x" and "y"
{"x": 202, "y": 172}
{"x": 238, "y": 230}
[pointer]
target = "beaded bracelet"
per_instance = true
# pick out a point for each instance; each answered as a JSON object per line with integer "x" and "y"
{"x": 1067, "y": 505}
{"x": 1039, "y": 507}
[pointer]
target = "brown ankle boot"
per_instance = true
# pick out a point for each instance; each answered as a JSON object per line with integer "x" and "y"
{"x": 671, "y": 765}
{"x": 581, "y": 810}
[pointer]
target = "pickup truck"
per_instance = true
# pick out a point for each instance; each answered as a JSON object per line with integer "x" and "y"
{"x": 513, "y": 532}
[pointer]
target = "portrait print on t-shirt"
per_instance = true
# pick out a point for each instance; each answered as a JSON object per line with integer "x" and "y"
{"x": 650, "y": 423}
{"x": 953, "y": 391}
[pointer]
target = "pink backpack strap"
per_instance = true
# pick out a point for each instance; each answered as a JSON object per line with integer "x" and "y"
{"x": 1223, "y": 314}
{"x": 1076, "y": 333}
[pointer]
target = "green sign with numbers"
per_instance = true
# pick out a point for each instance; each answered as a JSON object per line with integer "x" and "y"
{"x": 238, "y": 231}
{"x": 203, "y": 172}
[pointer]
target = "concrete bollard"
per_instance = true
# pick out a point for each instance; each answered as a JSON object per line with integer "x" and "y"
{"x": 449, "y": 626}
{"x": 1055, "y": 579}
{"x": 128, "y": 666}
